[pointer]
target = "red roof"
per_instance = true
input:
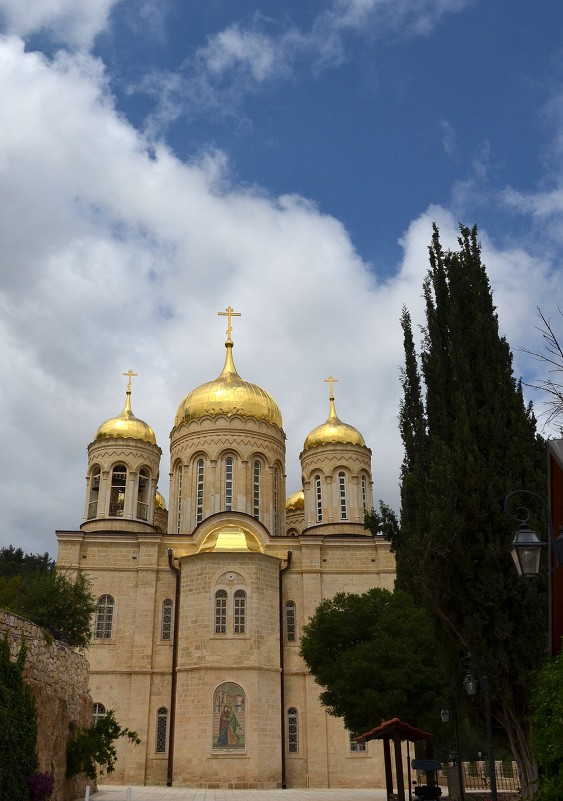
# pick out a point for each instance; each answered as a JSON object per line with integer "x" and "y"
{"x": 392, "y": 728}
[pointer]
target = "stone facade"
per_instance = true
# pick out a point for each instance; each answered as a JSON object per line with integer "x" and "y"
{"x": 58, "y": 678}
{"x": 200, "y": 610}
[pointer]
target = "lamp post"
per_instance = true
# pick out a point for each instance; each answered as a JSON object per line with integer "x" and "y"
{"x": 526, "y": 547}
{"x": 446, "y": 714}
{"x": 472, "y": 685}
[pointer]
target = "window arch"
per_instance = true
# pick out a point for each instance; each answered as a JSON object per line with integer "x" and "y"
{"x": 161, "y": 728}
{"x": 200, "y": 475}
{"x": 98, "y": 711}
{"x": 256, "y": 469}
{"x": 179, "y": 474}
{"x": 239, "y": 612}
{"x": 117, "y": 494}
{"x": 364, "y": 493}
{"x": 342, "y": 495}
{"x": 292, "y": 730}
{"x": 221, "y": 612}
{"x": 276, "y": 500}
{"x": 228, "y": 485}
{"x": 318, "y": 499}
{"x": 166, "y": 621}
{"x": 290, "y": 633}
{"x": 143, "y": 494}
{"x": 94, "y": 493}
{"x": 103, "y": 628}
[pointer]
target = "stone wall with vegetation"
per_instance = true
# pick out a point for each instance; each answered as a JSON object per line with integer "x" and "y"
{"x": 58, "y": 679}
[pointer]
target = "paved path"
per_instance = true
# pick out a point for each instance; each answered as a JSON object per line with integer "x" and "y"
{"x": 112, "y": 792}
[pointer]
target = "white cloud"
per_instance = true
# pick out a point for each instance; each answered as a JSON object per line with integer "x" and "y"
{"x": 75, "y": 23}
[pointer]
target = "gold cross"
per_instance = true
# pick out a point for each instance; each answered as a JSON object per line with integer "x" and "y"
{"x": 129, "y": 373}
{"x": 331, "y": 380}
{"x": 229, "y": 313}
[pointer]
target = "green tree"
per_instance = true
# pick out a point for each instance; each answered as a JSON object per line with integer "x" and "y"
{"x": 469, "y": 439}
{"x": 547, "y": 728}
{"x": 93, "y": 750}
{"x": 32, "y": 587}
{"x": 18, "y": 727}
{"x": 373, "y": 653}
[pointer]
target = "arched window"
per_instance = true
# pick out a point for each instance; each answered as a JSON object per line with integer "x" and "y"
{"x": 166, "y": 626}
{"x": 342, "y": 496}
{"x": 161, "y": 727}
{"x": 117, "y": 494}
{"x": 199, "y": 491}
{"x": 292, "y": 730}
{"x": 276, "y": 500}
{"x": 318, "y": 499}
{"x": 143, "y": 496}
{"x": 290, "y": 621}
{"x": 364, "y": 493}
{"x": 256, "y": 489}
{"x": 98, "y": 711}
{"x": 228, "y": 484}
{"x": 179, "y": 472}
{"x": 103, "y": 627}
{"x": 221, "y": 612}
{"x": 94, "y": 493}
{"x": 239, "y": 612}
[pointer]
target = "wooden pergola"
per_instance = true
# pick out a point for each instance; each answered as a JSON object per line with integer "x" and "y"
{"x": 397, "y": 731}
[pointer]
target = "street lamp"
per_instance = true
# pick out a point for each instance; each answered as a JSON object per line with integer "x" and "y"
{"x": 472, "y": 686}
{"x": 446, "y": 714}
{"x": 526, "y": 547}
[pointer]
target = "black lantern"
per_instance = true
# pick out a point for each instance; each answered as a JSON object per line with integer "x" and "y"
{"x": 526, "y": 551}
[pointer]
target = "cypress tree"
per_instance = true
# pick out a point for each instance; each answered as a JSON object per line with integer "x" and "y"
{"x": 469, "y": 440}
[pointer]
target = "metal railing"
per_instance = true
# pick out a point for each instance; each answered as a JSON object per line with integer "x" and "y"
{"x": 476, "y": 775}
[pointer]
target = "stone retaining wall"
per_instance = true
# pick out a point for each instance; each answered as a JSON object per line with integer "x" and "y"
{"x": 58, "y": 679}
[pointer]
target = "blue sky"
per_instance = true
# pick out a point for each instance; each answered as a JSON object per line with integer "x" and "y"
{"x": 162, "y": 159}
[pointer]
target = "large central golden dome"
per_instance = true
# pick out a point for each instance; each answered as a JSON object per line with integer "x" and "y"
{"x": 229, "y": 395}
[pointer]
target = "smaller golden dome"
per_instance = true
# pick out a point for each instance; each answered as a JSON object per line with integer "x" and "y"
{"x": 333, "y": 431}
{"x": 126, "y": 425}
{"x": 159, "y": 502}
{"x": 295, "y": 502}
{"x": 230, "y": 537}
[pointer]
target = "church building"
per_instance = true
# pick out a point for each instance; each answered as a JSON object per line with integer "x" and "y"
{"x": 200, "y": 606}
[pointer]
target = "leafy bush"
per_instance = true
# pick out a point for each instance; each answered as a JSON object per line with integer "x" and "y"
{"x": 41, "y": 786}
{"x": 93, "y": 749}
{"x": 547, "y": 728}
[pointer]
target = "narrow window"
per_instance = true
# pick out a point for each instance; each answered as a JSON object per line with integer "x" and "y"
{"x": 356, "y": 746}
{"x": 221, "y": 612}
{"x": 98, "y": 711}
{"x": 166, "y": 628}
{"x": 117, "y": 495}
{"x": 319, "y": 499}
{"x": 292, "y": 730}
{"x": 342, "y": 495}
{"x": 199, "y": 492}
{"x": 364, "y": 493}
{"x": 94, "y": 493}
{"x": 256, "y": 490}
{"x": 143, "y": 496}
{"x": 290, "y": 621}
{"x": 179, "y": 498}
{"x": 104, "y": 618}
{"x": 239, "y": 612}
{"x": 228, "y": 483}
{"x": 276, "y": 500}
{"x": 161, "y": 726}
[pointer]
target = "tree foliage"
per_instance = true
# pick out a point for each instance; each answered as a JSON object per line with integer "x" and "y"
{"x": 32, "y": 587}
{"x": 373, "y": 653}
{"x": 93, "y": 750}
{"x": 18, "y": 727}
{"x": 547, "y": 728}
{"x": 468, "y": 440}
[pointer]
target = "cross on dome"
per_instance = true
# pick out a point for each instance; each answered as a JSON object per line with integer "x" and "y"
{"x": 130, "y": 375}
{"x": 229, "y": 314}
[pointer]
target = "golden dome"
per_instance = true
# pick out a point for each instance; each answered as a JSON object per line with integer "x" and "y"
{"x": 295, "y": 502}
{"x": 230, "y": 537}
{"x": 229, "y": 395}
{"x": 126, "y": 425}
{"x": 159, "y": 502}
{"x": 333, "y": 431}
